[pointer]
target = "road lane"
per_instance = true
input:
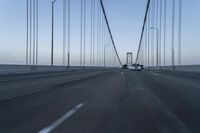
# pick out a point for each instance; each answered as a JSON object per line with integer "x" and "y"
{"x": 32, "y": 112}
{"x": 27, "y": 84}
{"x": 180, "y": 97}
{"x": 115, "y": 102}
{"x": 25, "y": 76}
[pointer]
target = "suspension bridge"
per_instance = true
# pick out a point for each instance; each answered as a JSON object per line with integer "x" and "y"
{"x": 67, "y": 76}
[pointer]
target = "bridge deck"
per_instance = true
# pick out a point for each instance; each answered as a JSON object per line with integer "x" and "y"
{"x": 110, "y": 102}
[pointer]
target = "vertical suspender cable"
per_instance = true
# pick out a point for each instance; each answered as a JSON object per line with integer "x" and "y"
{"x": 37, "y": 32}
{"x": 110, "y": 53}
{"x": 100, "y": 50}
{"x": 94, "y": 31}
{"x": 102, "y": 44}
{"x": 33, "y": 32}
{"x": 27, "y": 30}
{"x": 81, "y": 34}
{"x": 146, "y": 42}
{"x": 165, "y": 17}
{"x": 84, "y": 33}
{"x": 157, "y": 18}
{"x": 103, "y": 39}
{"x": 68, "y": 33}
{"x": 173, "y": 21}
{"x": 52, "y": 32}
{"x": 114, "y": 59}
{"x": 100, "y": 33}
{"x": 160, "y": 35}
{"x": 91, "y": 32}
{"x": 179, "y": 34}
{"x": 152, "y": 33}
{"x": 30, "y": 48}
{"x": 142, "y": 51}
{"x": 148, "y": 35}
{"x": 107, "y": 55}
{"x": 64, "y": 32}
{"x": 97, "y": 33}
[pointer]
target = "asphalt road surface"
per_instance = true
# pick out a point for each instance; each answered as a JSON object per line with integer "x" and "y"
{"x": 100, "y": 102}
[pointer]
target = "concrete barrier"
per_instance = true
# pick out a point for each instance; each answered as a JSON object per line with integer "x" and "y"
{"x": 12, "y": 69}
{"x": 183, "y": 68}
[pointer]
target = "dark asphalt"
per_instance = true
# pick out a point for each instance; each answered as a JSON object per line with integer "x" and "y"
{"x": 113, "y": 102}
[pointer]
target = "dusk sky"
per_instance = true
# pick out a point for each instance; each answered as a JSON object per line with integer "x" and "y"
{"x": 125, "y": 18}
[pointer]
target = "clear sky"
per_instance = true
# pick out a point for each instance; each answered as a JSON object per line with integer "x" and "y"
{"x": 125, "y": 17}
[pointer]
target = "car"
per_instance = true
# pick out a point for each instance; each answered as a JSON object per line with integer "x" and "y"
{"x": 139, "y": 68}
{"x": 124, "y": 67}
{"x": 132, "y": 68}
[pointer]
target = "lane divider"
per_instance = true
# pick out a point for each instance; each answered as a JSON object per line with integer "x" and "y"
{"x": 58, "y": 122}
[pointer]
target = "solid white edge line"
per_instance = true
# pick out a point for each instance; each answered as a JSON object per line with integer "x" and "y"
{"x": 61, "y": 119}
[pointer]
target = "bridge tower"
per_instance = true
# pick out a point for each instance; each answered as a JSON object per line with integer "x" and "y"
{"x": 129, "y": 59}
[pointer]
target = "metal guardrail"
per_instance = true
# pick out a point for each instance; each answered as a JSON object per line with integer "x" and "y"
{"x": 183, "y": 68}
{"x": 7, "y": 69}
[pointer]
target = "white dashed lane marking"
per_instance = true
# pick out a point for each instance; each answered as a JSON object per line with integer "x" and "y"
{"x": 156, "y": 74}
{"x": 55, "y": 124}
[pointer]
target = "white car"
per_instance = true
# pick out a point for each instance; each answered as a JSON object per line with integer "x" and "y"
{"x": 136, "y": 68}
{"x": 132, "y": 68}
